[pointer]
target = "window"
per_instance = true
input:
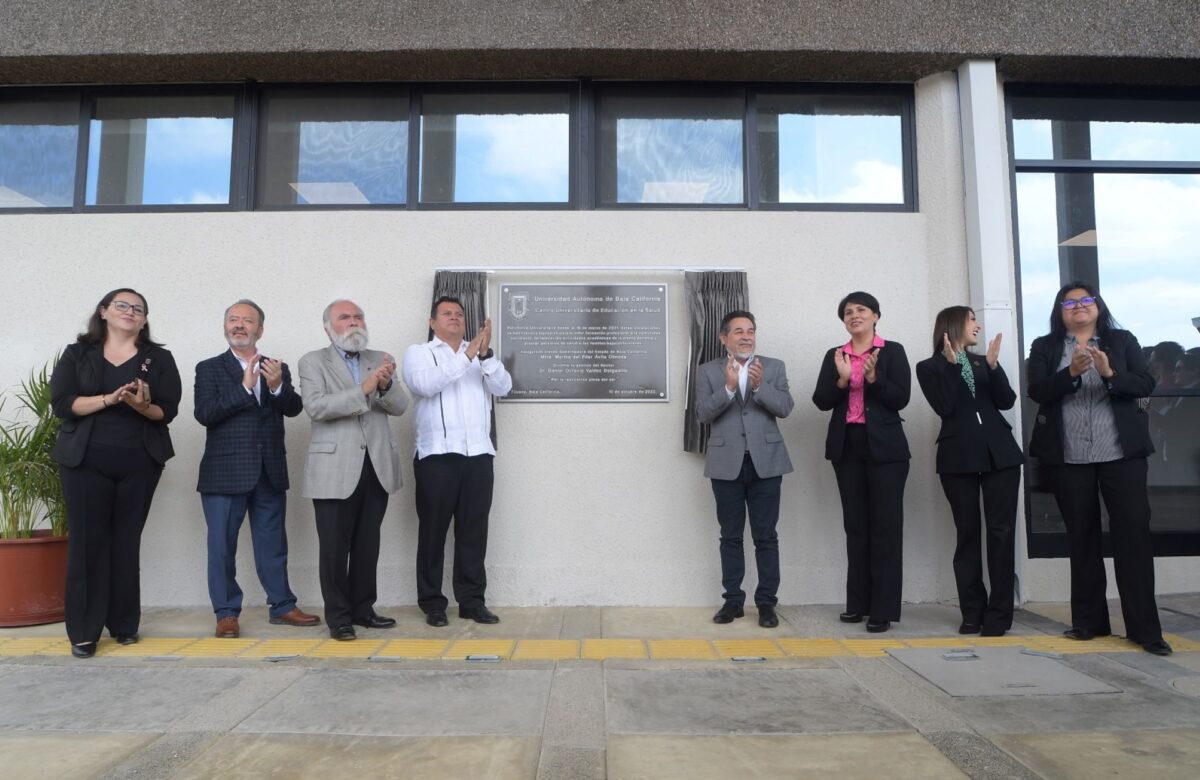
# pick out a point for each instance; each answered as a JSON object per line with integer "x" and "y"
{"x": 1107, "y": 191}
{"x": 154, "y": 150}
{"x": 669, "y": 148}
{"x": 39, "y": 140}
{"x": 830, "y": 149}
{"x": 319, "y": 148}
{"x": 495, "y": 147}
{"x": 531, "y": 145}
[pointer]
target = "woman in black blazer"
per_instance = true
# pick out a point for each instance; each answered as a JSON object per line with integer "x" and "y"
{"x": 1087, "y": 377}
{"x": 115, "y": 390}
{"x": 976, "y": 453}
{"x": 866, "y": 382}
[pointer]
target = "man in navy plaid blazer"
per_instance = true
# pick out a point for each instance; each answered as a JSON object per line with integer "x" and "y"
{"x": 242, "y": 398}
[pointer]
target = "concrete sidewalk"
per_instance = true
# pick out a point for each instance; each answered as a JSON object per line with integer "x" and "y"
{"x": 587, "y": 692}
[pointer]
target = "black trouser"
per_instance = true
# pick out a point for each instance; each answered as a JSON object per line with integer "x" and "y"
{"x": 873, "y": 515}
{"x": 999, "y": 489}
{"x": 459, "y": 487}
{"x": 1123, "y": 485}
{"x": 108, "y": 497}
{"x": 760, "y": 497}
{"x": 348, "y": 536}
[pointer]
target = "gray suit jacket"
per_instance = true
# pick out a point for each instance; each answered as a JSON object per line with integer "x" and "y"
{"x": 346, "y": 425}
{"x": 739, "y": 425}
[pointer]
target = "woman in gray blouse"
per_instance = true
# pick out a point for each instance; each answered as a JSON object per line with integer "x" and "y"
{"x": 1087, "y": 376}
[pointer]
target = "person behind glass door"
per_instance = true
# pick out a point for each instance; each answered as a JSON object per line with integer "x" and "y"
{"x": 116, "y": 390}
{"x": 1086, "y": 376}
{"x": 976, "y": 454}
{"x": 866, "y": 382}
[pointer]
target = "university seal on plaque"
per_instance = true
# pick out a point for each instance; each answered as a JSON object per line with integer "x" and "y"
{"x": 518, "y": 306}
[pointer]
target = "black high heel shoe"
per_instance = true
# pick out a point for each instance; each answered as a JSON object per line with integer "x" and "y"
{"x": 85, "y": 650}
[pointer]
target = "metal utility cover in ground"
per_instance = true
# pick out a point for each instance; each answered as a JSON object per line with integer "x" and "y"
{"x": 999, "y": 671}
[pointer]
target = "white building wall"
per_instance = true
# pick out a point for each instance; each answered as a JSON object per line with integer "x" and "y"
{"x": 594, "y": 503}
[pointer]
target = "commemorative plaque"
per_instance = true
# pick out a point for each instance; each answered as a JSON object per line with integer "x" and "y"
{"x": 585, "y": 342}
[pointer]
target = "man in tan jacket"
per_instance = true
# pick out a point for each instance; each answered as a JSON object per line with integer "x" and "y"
{"x": 353, "y": 463}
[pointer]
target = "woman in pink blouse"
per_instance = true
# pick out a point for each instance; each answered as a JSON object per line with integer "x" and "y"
{"x": 866, "y": 382}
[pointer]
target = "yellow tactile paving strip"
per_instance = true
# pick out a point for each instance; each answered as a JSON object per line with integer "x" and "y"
{"x": 564, "y": 649}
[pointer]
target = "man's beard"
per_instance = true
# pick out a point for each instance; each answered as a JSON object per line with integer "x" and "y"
{"x": 246, "y": 339}
{"x": 353, "y": 340}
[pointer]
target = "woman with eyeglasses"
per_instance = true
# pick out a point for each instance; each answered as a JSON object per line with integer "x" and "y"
{"x": 115, "y": 390}
{"x": 865, "y": 383}
{"x": 1087, "y": 376}
{"x": 976, "y": 456}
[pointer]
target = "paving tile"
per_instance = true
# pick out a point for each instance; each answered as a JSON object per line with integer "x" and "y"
{"x": 682, "y": 649}
{"x": 813, "y": 648}
{"x": 751, "y": 701}
{"x": 546, "y": 650}
{"x": 601, "y": 649}
{"x": 1161, "y": 754}
{"x": 272, "y": 647}
{"x": 32, "y": 756}
{"x": 1177, "y": 642}
{"x": 465, "y": 647}
{"x": 998, "y": 671}
{"x": 146, "y": 646}
{"x": 323, "y": 756}
{"x": 847, "y": 756}
{"x": 81, "y": 697}
{"x": 211, "y": 647}
{"x": 402, "y": 702}
{"x": 732, "y": 648}
{"x": 871, "y": 648}
{"x": 333, "y": 648}
{"x": 413, "y": 648}
{"x": 1142, "y": 703}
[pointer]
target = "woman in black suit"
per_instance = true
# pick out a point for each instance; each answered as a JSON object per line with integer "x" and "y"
{"x": 976, "y": 453}
{"x": 1087, "y": 376}
{"x": 866, "y": 382}
{"x": 115, "y": 390}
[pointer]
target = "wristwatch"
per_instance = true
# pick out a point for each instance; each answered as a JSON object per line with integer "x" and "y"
{"x": 484, "y": 356}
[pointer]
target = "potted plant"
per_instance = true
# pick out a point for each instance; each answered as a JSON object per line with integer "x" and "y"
{"x": 33, "y": 520}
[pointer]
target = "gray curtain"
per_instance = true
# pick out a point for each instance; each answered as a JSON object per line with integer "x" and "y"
{"x": 710, "y": 296}
{"x": 470, "y": 287}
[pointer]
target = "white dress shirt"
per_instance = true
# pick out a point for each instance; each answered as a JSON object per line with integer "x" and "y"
{"x": 453, "y": 398}
{"x": 743, "y": 375}
{"x": 258, "y": 381}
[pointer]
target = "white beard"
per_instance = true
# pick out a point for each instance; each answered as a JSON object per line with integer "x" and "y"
{"x": 353, "y": 340}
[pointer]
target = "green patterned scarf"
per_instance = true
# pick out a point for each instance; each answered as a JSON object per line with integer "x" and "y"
{"x": 967, "y": 374}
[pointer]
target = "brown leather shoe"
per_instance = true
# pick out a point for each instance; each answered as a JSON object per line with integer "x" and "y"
{"x": 227, "y": 628}
{"x": 296, "y": 618}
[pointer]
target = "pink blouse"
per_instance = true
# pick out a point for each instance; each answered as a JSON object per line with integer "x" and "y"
{"x": 856, "y": 411}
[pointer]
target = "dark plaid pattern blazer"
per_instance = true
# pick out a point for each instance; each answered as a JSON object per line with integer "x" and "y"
{"x": 244, "y": 436}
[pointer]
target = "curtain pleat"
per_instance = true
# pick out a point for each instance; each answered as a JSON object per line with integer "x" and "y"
{"x": 710, "y": 296}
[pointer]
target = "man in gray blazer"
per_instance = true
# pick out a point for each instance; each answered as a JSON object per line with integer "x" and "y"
{"x": 353, "y": 463}
{"x": 741, "y": 396}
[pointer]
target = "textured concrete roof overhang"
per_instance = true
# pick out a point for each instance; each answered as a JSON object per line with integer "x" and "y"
{"x": 115, "y": 41}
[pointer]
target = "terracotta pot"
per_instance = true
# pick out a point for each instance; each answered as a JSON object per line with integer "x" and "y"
{"x": 33, "y": 579}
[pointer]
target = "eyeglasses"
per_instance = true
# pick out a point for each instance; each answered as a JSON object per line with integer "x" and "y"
{"x": 124, "y": 308}
{"x": 1071, "y": 303}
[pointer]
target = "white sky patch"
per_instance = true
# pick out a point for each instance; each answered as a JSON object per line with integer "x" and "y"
{"x": 200, "y": 198}
{"x": 872, "y": 181}
{"x": 534, "y": 148}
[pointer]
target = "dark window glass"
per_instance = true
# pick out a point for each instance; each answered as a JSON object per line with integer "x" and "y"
{"x": 495, "y": 148}
{"x": 830, "y": 149}
{"x": 669, "y": 148}
{"x": 152, "y": 150}
{"x": 345, "y": 148}
{"x": 38, "y": 146}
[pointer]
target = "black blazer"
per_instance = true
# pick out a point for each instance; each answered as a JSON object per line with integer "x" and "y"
{"x": 243, "y": 437}
{"x": 882, "y": 400}
{"x": 974, "y": 436}
{"x": 1048, "y": 386}
{"x": 80, "y": 371}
